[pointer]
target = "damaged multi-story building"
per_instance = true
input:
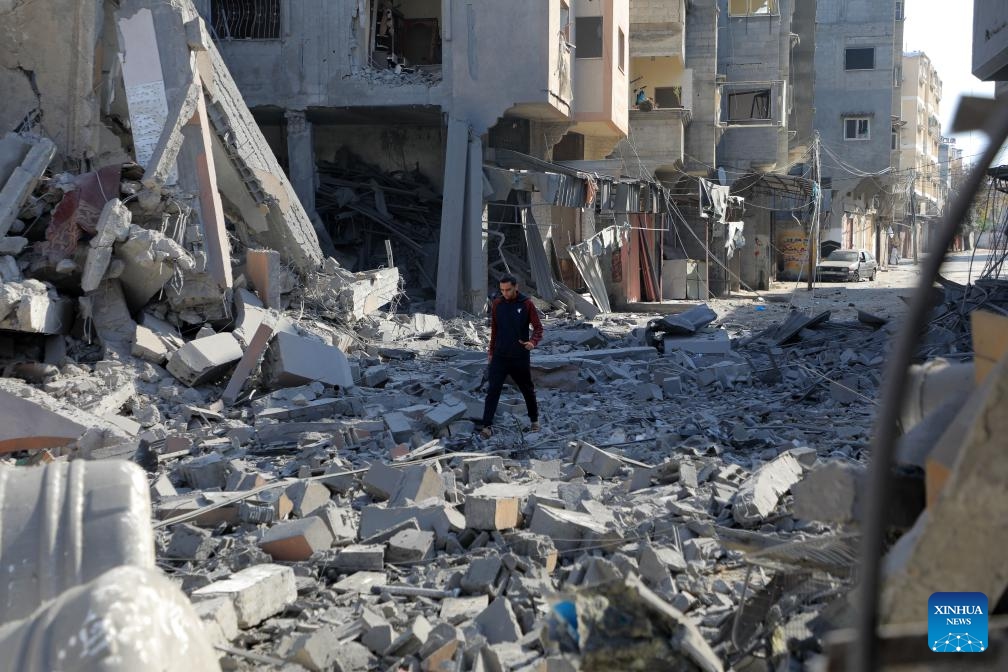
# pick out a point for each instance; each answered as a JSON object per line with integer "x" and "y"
{"x": 919, "y": 140}
{"x": 857, "y": 113}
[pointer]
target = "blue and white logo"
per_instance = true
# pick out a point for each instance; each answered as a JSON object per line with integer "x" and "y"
{"x": 957, "y": 622}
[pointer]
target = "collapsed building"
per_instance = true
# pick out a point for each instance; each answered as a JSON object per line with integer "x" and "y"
{"x": 171, "y": 298}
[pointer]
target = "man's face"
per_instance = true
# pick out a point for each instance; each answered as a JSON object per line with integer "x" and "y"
{"x": 508, "y": 291}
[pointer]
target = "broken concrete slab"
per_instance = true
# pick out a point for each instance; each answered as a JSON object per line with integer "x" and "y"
{"x": 204, "y": 360}
{"x": 34, "y": 420}
{"x": 31, "y": 307}
{"x": 491, "y": 513}
{"x": 113, "y": 225}
{"x": 758, "y": 495}
{"x": 16, "y": 188}
{"x": 438, "y": 517}
{"x": 264, "y": 268}
{"x": 257, "y": 592}
{"x": 829, "y": 492}
{"x": 410, "y": 546}
{"x": 498, "y": 622}
{"x": 703, "y": 343}
{"x": 293, "y": 360}
{"x": 594, "y": 460}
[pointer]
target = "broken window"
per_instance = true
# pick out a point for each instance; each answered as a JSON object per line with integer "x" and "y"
{"x": 668, "y": 96}
{"x": 565, "y": 21}
{"x": 752, "y": 8}
{"x": 588, "y": 33}
{"x": 859, "y": 58}
{"x": 406, "y": 34}
{"x": 748, "y": 105}
{"x": 857, "y": 128}
{"x": 245, "y": 19}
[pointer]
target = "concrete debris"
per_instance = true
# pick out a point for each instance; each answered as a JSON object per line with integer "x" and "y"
{"x": 307, "y": 424}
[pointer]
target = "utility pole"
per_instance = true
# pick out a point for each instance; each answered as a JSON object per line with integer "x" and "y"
{"x": 813, "y": 239}
{"x": 913, "y": 216}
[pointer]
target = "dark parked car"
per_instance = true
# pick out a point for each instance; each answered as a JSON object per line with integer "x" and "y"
{"x": 844, "y": 265}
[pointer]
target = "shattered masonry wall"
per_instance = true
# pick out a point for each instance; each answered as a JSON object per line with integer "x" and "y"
{"x": 389, "y": 147}
{"x": 49, "y": 54}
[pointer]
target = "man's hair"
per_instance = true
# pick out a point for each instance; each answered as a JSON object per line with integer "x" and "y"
{"x": 509, "y": 279}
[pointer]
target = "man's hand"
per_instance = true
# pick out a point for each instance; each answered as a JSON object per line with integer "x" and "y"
{"x": 528, "y": 344}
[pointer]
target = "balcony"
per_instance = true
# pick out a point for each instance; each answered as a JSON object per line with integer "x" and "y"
{"x": 657, "y": 28}
{"x": 658, "y": 138}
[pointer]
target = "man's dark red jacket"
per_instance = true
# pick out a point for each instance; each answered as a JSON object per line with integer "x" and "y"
{"x": 510, "y": 322}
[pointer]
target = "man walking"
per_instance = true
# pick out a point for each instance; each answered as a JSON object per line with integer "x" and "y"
{"x": 512, "y": 314}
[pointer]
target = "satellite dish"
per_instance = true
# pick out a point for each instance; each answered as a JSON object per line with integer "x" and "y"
{"x": 722, "y": 177}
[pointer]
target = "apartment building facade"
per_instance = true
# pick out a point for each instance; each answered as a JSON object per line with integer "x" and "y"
{"x": 429, "y": 85}
{"x": 857, "y": 114}
{"x": 919, "y": 140}
{"x": 990, "y": 44}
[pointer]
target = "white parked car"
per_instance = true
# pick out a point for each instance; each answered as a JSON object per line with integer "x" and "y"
{"x": 847, "y": 265}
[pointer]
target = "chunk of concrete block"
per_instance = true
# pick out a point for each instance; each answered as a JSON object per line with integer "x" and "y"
{"x": 457, "y": 610}
{"x": 381, "y": 481}
{"x": 360, "y": 582}
{"x": 264, "y": 268}
{"x": 189, "y": 542}
{"x": 444, "y": 414}
{"x": 419, "y": 483}
{"x": 704, "y": 343}
{"x": 113, "y": 225}
{"x": 219, "y": 619}
{"x": 536, "y": 547}
{"x": 595, "y": 460}
{"x": 204, "y": 360}
{"x": 481, "y": 575}
{"x": 295, "y": 540}
{"x": 148, "y": 346}
{"x": 438, "y": 517}
{"x": 410, "y": 546}
{"x": 758, "y": 495}
{"x": 410, "y": 641}
{"x": 491, "y": 513}
{"x": 34, "y": 420}
{"x": 293, "y": 360}
{"x": 317, "y": 650}
{"x": 257, "y": 592}
{"x": 569, "y": 529}
{"x": 399, "y": 425}
{"x": 307, "y": 497}
{"x": 829, "y": 493}
{"x": 12, "y": 245}
{"x": 359, "y": 558}
{"x": 498, "y": 622}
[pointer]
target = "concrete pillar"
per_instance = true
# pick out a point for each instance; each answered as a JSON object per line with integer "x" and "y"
{"x": 474, "y": 234}
{"x": 301, "y": 159}
{"x": 450, "y": 247}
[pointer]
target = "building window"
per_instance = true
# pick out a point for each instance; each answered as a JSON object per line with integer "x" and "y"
{"x": 622, "y": 51}
{"x": 668, "y": 96}
{"x": 856, "y": 128}
{"x": 895, "y": 139}
{"x": 588, "y": 33}
{"x": 859, "y": 58}
{"x": 748, "y": 105}
{"x": 899, "y": 10}
{"x": 245, "y": 19}
{"x": 753, "y": 8}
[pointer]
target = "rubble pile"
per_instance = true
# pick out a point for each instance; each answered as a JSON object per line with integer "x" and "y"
{"x": 358, "y": 523}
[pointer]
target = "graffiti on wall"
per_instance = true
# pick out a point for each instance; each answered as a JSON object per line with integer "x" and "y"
{"x": 792, "y": 253}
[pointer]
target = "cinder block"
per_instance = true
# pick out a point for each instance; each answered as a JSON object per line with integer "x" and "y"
{"x": 410, "y": 641}
{"x": 437, "y": 517}
{"x": 410, "y": 546}
{"x": 477, "y": 468}
{"x": 295, "y": 540}
{"x": 204, "y": 360}
{"x": 360, "y": 558}
{"x": 568, "y": 529}
{"x": 491, "y": 513}
{"x": 399, "y": 426}
{"x": 498, "y": 622}
{"x": 481, "y": 575}
{"x": 293, "y": 360}
{"x": 537, "y": 547}
{"x": 257, "y": 592}
{"x": 596, "y": 461}
{"x": 381, "y": 481}
{"x": 219, "y": 619}
{"x": 457, "y": 610}
{"x": 443, "y": 414}
{"x": 307, "y": 497}
{"x": 419, "y": 483}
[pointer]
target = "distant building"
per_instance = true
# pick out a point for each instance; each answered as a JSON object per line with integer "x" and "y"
{"x": 857, "y": 106}
{"x": 919, "y": 142}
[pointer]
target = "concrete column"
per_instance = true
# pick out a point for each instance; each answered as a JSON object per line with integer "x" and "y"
{"x": 474, "y": 282}
{"x": 450, "y": 247}
{"x": 301, "y": 159}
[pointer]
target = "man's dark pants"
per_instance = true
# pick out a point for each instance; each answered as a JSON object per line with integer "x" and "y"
{"x": 520, "y": 370}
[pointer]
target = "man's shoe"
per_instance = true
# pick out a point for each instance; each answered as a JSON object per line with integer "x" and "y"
{"x": 486, "y": 432}
{"x": 534, "y": 427}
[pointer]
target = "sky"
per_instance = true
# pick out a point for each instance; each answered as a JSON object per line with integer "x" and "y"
{"x": 946, "y": 36}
